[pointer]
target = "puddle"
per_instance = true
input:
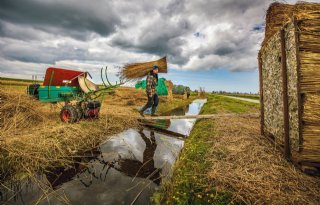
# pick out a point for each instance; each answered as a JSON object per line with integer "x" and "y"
{"x": 127, "y": 168}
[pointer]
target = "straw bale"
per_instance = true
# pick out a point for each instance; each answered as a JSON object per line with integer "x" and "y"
{"x": 133, "y": 71}
{"x": 272, "y": 88}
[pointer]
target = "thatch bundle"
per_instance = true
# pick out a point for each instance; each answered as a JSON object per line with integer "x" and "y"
{"x": 279, "y": 14}
{"x": 311, "y": 114}
{"x": 169, "y": 85}
{"x": 134, "y": 71}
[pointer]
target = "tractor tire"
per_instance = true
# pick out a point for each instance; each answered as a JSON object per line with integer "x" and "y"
{"x": 79, "y": 113}
{"x": 68, "y": 114}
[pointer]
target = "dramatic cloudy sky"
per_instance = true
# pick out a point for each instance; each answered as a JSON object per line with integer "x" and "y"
{"x": 209, "y": 43}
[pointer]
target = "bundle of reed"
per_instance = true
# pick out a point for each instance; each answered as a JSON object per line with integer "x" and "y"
{"x": 311, "y": 114}
{"x": 133, "y": 71}
{"x": 311, "y": 143}
{"x": 306, "y": 10}
{"x": 308, "y": 16}
{"x": 278, "y": 14}
{"x": 169, "y": 85}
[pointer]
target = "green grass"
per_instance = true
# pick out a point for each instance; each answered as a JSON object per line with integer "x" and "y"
{"x": 190, "y": 184}
{"x": 253, "y": 97}
{"x": 218, "y": 103}
{"x": 20, "y": 80}
{"x": 165, "y": 107}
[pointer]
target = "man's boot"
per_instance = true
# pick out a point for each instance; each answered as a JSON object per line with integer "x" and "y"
{"x": 153, "y": 111}
{"x": 142, "y": 111}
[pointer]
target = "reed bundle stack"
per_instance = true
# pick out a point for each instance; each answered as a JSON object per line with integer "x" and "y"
{"x": 289, "y": 64}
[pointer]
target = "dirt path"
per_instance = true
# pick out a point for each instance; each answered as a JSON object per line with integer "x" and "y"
{"x": 245, "y": 99}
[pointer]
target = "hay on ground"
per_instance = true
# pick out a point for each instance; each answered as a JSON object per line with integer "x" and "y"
{"x": 255, "y": 172}
{"x": 19, "y": 111}
{"x": 31, "y": 139}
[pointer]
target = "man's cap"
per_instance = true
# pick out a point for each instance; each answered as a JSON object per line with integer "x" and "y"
{"x": 155, "y": 67}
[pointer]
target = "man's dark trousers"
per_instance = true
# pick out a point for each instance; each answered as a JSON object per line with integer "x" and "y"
{"x": 152, "y": 102}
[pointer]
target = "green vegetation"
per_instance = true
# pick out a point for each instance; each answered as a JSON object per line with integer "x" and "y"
{"x": 218, "y": 103}
{"x": 254, "y": 97}
{"x": 190, "y": 184}
{"x": 20, "y": 80}
{"x": 175, "y": 103}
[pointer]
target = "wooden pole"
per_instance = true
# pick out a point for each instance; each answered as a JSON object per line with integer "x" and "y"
{"x": 261, "y": 95}
{"x": 300, "y": 107}
{"x": 287, "y": 149}
{"x": 213, "y": 116}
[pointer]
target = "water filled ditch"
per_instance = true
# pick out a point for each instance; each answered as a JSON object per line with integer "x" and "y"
{"x": 125, "y": 169}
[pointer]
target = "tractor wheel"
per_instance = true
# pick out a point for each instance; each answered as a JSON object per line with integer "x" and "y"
{"x": 79, "y": 112}
{"x": 68, "y": 114}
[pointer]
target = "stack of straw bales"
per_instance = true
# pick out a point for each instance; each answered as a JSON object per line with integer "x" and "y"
{"x": 300, "y": 25}
{"x": 134, "y": 71}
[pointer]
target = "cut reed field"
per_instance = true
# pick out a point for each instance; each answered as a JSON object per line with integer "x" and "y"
{"x": 33, "y": 138}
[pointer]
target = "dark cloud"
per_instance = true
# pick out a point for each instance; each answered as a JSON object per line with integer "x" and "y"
{"x": 76, "y": 18}
{"x": 45, "y": 55}
{"x": 202, "y": 34}
{"x": 161, "y": 37}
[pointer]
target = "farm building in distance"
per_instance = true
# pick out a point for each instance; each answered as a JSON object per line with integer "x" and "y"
{"x": 289, "y": 65}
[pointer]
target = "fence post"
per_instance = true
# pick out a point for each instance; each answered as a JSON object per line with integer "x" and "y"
{"x": 261, "y": 95}
{"x": 287, "y": 149}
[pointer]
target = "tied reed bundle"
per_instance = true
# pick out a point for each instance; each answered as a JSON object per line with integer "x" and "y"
{"x": 134, "y": 71}
{"x": 169, "y": 85}
{"x": 279, "y": 14}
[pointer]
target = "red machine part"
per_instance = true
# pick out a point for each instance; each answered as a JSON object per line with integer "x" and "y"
{"x": 60, "y": 76}
{"x": 92, "y": 113}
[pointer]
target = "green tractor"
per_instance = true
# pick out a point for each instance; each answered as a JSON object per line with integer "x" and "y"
{"x": 79, "y": 94}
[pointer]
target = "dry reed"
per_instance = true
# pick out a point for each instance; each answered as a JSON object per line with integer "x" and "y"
{"x": 278, "y": 14}
{"x": 31, "y": 139}
{"x": 134, "y": 71}
{"x": 18, "y": 111}
{"x": 255, "y": 172}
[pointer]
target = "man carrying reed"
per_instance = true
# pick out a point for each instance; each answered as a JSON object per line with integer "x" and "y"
{"x": 151, "y": 90}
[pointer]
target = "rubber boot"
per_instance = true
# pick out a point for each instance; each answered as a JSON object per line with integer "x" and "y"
{"x": 142, "y": 110}
{"x": 153, "y": 111}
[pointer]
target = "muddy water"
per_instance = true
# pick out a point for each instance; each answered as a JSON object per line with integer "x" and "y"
{"x": 126, "y": 169}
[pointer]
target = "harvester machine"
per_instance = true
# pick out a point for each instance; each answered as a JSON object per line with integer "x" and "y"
{"x": 82, "y": 98}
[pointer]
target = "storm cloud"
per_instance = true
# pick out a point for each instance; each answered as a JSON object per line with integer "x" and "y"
{"x": 195, "y": 35}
